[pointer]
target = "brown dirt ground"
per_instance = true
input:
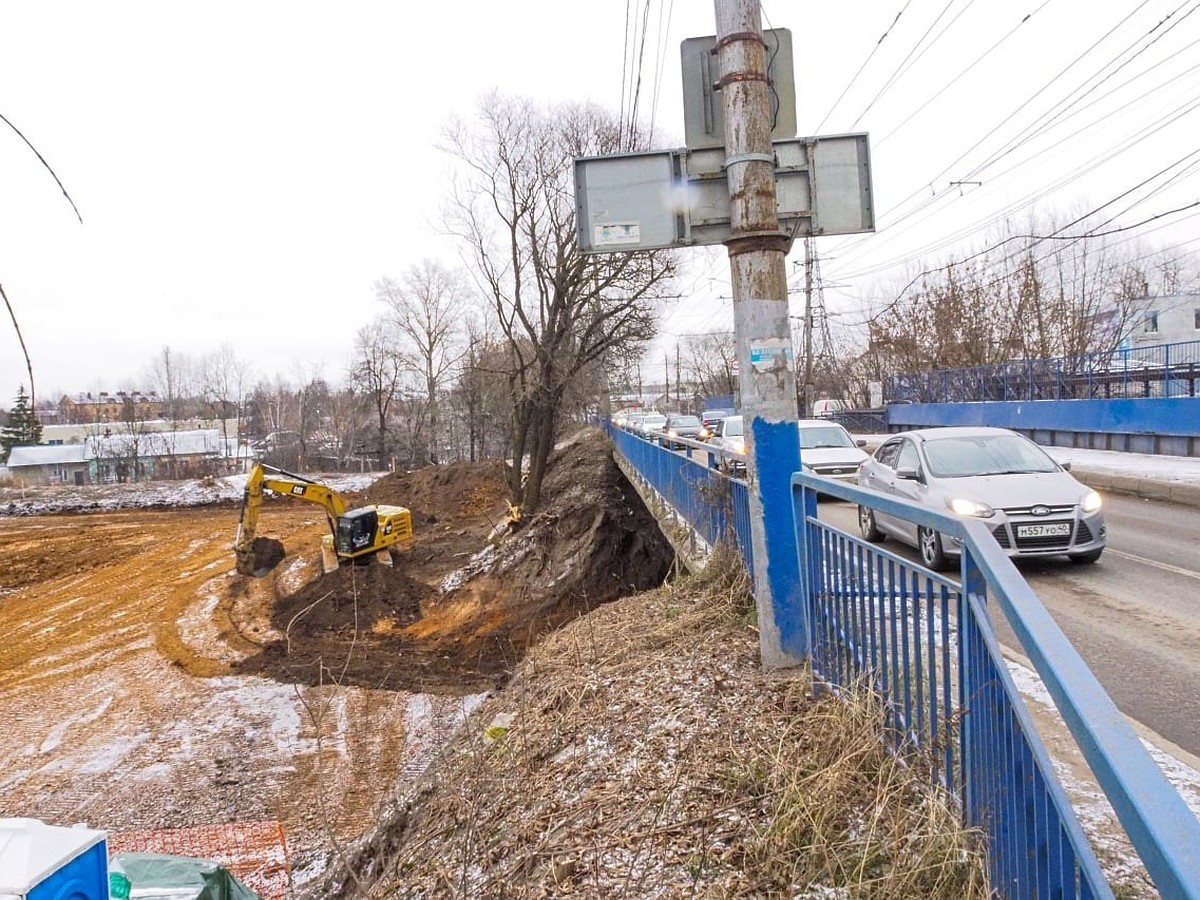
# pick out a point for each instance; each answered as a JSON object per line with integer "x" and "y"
{"x": 144, "y": 684}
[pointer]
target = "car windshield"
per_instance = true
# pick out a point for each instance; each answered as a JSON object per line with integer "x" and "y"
{"x": 732, "y": 427}
{"x": 685, "y": 422}
{"x": 1004, "y": 454}
{"x": 818, "y": 436}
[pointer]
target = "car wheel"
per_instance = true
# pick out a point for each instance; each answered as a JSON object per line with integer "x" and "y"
{"x": 929, "y": 542}
{"x": 1090, "y": 557}
{"x": 866, "y": 524}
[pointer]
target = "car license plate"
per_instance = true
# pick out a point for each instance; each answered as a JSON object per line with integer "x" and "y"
{"x": 1051, "y": 529}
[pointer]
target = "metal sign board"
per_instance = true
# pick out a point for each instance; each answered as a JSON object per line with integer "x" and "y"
{"x": 680, "y": 198}
{"x": 703, "y": 110}
{"x": 626, "y": 202}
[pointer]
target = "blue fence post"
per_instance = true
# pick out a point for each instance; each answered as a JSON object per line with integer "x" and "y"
{"x": 804, "y": 504}
{"x": 969, "y": 686}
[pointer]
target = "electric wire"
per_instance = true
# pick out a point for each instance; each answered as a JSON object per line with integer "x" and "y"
{"x": 1140, "y": 134}
{"x": 659, "y": 64}
{"x": 865, "y": 62}
{"x": 909, "y": 118}
{"x": 1009, "y": 117}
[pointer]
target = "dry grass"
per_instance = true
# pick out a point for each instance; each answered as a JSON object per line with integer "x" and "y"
{"x": 642, "y": 752}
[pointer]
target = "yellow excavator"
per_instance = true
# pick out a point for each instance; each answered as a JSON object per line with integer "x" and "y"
{"x": 354, "y": 533}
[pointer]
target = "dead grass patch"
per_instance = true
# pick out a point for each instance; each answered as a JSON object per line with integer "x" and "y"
{"x": 641, "y": 751}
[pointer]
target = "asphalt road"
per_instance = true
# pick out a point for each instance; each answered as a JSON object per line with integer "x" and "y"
{"x": 1134, "y": 616}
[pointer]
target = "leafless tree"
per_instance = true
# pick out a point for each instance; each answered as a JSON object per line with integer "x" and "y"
{"x": 224, "y": 383}
{"x": 558, "y": 310}
{"x": 378, "y": 373}
{"x": 427, "y": 308}
{"x": 710, "y": 361}
{"x": 170, "y": 374}
{"x": 1056, "y": 291}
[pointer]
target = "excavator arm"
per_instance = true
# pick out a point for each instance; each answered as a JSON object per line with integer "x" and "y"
{"x": 266, "y": 478}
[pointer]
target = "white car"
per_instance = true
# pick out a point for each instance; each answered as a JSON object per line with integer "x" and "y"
{"x": 826, "y": 448}
{"x": 1030, "y": 504}
{"x": 731, "y": 437}
{"x": 653, "y": 423}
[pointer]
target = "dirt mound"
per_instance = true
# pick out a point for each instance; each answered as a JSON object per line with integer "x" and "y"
{"x": 461, "y": 490}
{"x": 456, "y": 613}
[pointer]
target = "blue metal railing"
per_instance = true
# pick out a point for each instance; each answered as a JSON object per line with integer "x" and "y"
{"x": 1161, "y": 370}
{"x": 925, "y": 643}
{"x": 716, "y": 506}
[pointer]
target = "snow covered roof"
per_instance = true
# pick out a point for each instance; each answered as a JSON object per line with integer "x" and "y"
{"x": 47, "y": 455}
{"x": 170, "y": 443}
{"x": 166, "y": 443}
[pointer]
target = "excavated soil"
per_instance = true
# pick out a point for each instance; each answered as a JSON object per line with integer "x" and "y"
{"x": 146, "y": 685}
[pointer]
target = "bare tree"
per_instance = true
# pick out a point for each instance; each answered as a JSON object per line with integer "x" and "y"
{"x": 479, "y": 393}
{"x": 224, "y": 382}
{"x": 427, "y": 310}
{"x": 170, "y": 374}
{"x": 559, "y": 310}
{"x": 377, "y": 374}
{"x": 1056, "y": 291}
{"x": 711, "y": 361}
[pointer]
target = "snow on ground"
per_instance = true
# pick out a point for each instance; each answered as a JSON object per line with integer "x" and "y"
{"x": 42, "y": 499}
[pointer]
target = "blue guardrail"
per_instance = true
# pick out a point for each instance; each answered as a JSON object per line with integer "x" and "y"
{"x": 925, "y": 643}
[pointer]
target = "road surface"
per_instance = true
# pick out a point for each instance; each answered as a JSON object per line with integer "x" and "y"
{"x": 1134, "y": 616}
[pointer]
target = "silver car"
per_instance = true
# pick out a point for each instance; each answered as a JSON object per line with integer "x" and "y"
{"x": 827, "y": 448}
{"x": 1031, "y": 504}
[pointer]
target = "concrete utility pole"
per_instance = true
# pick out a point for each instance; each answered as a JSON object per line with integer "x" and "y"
{"x": 757, "y": 256}
{"x": 807, "y": 409}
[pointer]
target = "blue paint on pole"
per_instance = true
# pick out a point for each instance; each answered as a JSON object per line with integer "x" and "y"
{"x": 776, "y": 448}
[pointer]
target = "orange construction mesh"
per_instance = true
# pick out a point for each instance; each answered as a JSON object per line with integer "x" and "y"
{"x": 253, "y": 851}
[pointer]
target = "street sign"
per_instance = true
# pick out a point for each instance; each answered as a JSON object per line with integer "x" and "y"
{"x": 703, "y": 112}
{"x": 625, "y": 202}
{"x": 680, "y": 198}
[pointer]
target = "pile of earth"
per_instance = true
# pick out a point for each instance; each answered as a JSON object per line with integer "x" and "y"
{"x": 455, "y": 612}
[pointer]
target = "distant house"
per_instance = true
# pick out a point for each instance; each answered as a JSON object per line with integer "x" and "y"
{"x": 86, "y": 408}
{"x": 1167, "y": 320}
{"x": 42, "y": 464}
{"x": 107, "y": 459}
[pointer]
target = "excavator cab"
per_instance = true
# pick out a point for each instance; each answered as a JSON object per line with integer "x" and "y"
{"x": 356, "y": 531}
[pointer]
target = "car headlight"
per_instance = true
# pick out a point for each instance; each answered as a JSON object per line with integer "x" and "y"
{"x": 738, "y": 445}
{"x": 1091, "y": 502}
{"x": 672, "y": 433}
{"x": 965, "y": 507}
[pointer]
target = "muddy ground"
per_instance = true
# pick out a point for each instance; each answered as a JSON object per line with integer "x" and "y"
{"x": 146, "y": 685}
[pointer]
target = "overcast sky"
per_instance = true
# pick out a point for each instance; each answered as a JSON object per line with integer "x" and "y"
{"x": 246, "y": 171}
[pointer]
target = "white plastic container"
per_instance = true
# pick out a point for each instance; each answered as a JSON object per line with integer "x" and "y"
{"x": 49, "y": 862}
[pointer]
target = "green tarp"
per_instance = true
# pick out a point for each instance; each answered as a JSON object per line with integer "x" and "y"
{"x": 157, "y": 876}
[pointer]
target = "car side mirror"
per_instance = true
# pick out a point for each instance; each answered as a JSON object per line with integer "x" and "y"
{"x": 861, "y": 442}
{"x": 1066, "y": 466}
{"x": 908, "y": 474}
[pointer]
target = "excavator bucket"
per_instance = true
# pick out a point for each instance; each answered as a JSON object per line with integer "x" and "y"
{"x": 260, "y": 557}
{"x": 329, "y": 557}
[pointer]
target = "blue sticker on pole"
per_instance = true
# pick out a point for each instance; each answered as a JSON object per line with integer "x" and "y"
{"x": 770, "y": 355}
